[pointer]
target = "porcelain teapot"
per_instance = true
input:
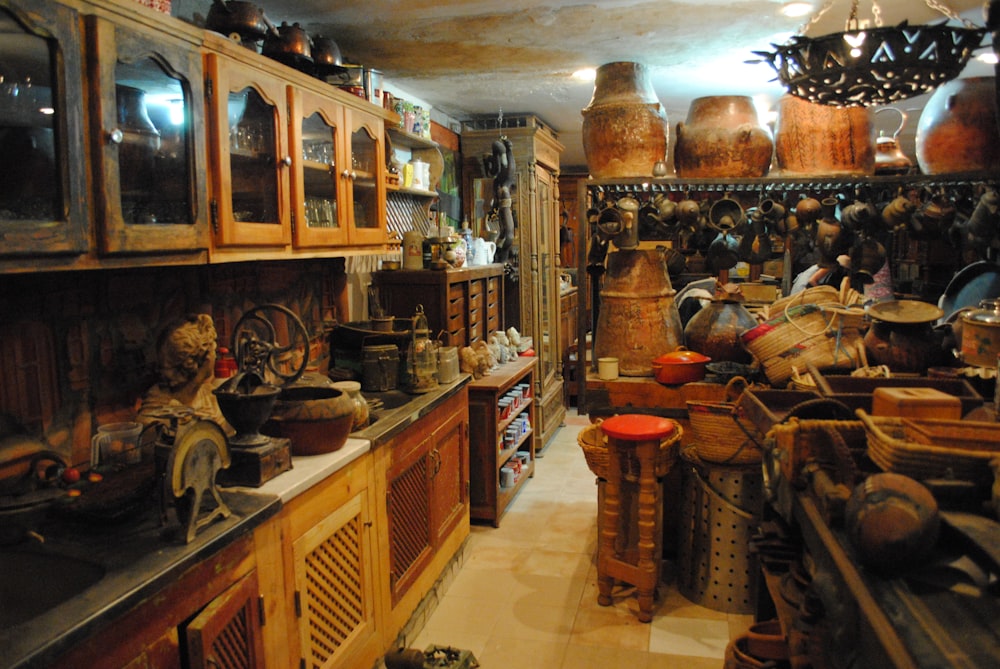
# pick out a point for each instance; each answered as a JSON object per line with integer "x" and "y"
{"x": 482, "y": 252}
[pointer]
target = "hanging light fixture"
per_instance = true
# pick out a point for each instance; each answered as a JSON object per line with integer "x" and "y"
{"x": 874, "y": 66}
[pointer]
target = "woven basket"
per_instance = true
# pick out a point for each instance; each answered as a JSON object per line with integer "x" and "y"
{"x": 828, "y": 337}
{"x": 722, "y": 432}
{"x": 959, "y": 449}
{"x": 594, "y": 444}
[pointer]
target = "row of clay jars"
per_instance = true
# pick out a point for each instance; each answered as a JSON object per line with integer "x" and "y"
{"x": 723, "y": 138}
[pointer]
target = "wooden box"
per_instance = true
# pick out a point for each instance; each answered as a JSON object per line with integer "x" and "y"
{"x": 256, "y": 465}
{"x": 916, "y": 403}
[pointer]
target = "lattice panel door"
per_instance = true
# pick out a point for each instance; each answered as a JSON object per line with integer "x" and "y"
{"x": 226, "y": 633}
{"x": 333, "y": 581}
{"x": 409, "y": 523}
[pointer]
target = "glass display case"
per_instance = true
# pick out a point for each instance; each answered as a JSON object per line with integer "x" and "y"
{"x": 43, "y": 174}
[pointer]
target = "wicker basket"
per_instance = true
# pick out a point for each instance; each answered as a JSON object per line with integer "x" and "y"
{"x": 826, "y": 336}
{"x": 958, "y": 449}
{"x": 722, "y": 432}
{"x": 594, "y": 444}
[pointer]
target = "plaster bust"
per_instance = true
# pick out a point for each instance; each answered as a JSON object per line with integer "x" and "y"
{"x": 185, "y": 355}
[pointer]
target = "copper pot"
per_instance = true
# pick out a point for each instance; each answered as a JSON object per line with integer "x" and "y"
{"x": 235, "y": 17}
{"x": 289, "y": 45}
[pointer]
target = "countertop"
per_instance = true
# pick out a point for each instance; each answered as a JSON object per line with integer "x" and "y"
{"x": 141, "y": 557}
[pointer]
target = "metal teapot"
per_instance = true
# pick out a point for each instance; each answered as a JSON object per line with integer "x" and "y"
{"x": 889, "y": 157}
{"x": 238, "y": 19}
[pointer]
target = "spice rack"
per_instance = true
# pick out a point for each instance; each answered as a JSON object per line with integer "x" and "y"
{"x": 502, "y": 437}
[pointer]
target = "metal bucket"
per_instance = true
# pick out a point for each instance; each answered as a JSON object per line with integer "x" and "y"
{"x": 719, "y": 513}
{"x": 638, "y": 319}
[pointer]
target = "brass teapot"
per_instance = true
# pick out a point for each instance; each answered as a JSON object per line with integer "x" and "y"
{"x": 889, "y": 157}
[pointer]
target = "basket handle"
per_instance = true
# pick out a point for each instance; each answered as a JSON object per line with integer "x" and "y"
{"x": 731, "y": 391}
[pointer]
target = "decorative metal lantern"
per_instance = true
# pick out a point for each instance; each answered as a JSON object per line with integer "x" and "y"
{"x": 877, "y": 66}
{"x": 421, "y": 359}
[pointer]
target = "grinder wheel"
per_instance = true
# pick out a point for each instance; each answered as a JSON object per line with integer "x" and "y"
{"x": 198, "y": 453}
{"x": 257, "y": 348}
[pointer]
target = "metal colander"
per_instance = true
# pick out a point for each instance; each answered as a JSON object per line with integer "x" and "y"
{"x": 720, "y": 506}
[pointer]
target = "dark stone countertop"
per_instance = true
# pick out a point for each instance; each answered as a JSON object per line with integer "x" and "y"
{"x": 139, "y": 557}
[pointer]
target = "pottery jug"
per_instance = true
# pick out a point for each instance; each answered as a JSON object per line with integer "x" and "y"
{"x": 625, "y": 128}
{"x": 817, "y": 139}
{"x": 715, "y": 330}
{"x": 957, "y": 131}
{"x": 482, "y": 251}
{"x": 638, "y": 319}
{"x": 830, "y": 237}
{"x": 722, "y": 138}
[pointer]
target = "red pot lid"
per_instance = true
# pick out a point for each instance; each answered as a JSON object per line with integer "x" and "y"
{"x": 638, "y": 427}
{"x": 681, "y": 356}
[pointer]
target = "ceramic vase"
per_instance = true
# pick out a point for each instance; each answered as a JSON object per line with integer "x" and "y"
{"x": 625, "y": 128}
{"x": 722, "y": 138}
{"x": 957, "y": 131}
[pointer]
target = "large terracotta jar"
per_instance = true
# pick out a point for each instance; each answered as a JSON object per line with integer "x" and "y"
{"x": 715, "y": 331}
{"x": 957, "y": 131}
{"x": 815, "y": 139}
{"x": 625, "y": 128}
{"x": 638, "y": 319}
{"x": 722, "y": 138}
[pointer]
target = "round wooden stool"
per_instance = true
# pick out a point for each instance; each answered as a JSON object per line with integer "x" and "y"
{"x": 632, "y": 438}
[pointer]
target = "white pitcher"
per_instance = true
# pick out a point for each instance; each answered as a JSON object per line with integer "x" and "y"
{"x": 482, "y": 251}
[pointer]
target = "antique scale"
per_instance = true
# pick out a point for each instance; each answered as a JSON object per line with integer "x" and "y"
{"x": 195, "y": 453}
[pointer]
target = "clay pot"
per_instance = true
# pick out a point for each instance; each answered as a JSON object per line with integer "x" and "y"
{"x": 903, "y": 348}
{"x": 715, "y": 331}
{"x": 316, "y": 419}
{"x": 680, "y": 366}
{"x": 722, "y": 138}
{"x": 830, "y": 237}
{"x": 638, "y": 318}
{"x": 625, "y": 128}
{"x": 957, "y": 131}
{"x": 818, "y": 139}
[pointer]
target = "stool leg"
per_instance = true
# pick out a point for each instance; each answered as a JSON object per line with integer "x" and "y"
{"x": 609, "y": 520}
{"x": 649, "y": 501}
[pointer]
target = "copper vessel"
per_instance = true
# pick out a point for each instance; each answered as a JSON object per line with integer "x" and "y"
{"x": 638, "y": 319}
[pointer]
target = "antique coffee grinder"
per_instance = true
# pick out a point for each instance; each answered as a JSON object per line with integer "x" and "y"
{"x": 246, "y": 399}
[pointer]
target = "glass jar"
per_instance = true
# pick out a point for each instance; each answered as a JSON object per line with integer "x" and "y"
{"x": 362, "y": 412}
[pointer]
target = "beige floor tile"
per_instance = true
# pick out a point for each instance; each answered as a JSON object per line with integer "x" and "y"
{"x": 464, "y": 616}
{"x": 548, "y": 562}
{"x": 505, "y": 651}
{"x": 542, "y": 590}
{"x": 660, "y": 661}
{"x": 597, "y": 657}
{"x": 689, "y": 636}
{"x": 482, "y": 585}
{"x": 610, "y": 626}
{"x": 525, "y": 619}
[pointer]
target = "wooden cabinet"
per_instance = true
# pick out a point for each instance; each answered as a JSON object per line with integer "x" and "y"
{"x": 532, "y": 296}
{"x": 148, "y": 139}
{"x": 502, "y": 415}
{"x": 293, "y": 166}
{"x": 466, "y": 303}
{"x": 154, "y": 633}
{"x": 424, "y": 505}
{"x": 328, "y": 565}
{"x": 568, "y": 314}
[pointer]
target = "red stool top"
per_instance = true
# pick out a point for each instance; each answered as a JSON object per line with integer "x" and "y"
{"x": 638, "y": 427}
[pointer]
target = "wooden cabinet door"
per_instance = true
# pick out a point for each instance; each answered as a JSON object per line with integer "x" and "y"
{"x": 319, "y": 150}
{"x": 334, "y": 584}
{"x": 43, "y": 177}
{"x": 449, "y": 476}
{"x": 148, "y": 138}
{"x": 248, "y": 117}
{"x": 226, "y": 633}
{"x": 408, "y": 506}
{"x": 364, "y": 177}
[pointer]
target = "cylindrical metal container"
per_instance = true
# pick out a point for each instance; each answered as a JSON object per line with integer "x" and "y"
{"x": 638, "y": 319}
{"x": 379, "y": 367}
{"x": 719, "y": 512}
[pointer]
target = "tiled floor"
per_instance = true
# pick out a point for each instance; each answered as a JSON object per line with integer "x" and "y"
{"x": 526, "y": 595}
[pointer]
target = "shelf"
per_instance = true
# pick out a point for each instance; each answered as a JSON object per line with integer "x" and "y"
{"x": 507, "y": 453}
{"x": 505, "y": 495}
{"x": 502, "y": 425}
{"x": 410, "y": 140}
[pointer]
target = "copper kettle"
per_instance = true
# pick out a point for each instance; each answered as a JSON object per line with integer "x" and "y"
{"x": 889, "y": 157}
{"x": 236, "y": 18}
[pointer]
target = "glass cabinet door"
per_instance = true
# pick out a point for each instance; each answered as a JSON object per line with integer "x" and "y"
{"x": 317, "y": 138}
{"x": 365, "y": 176}
{"x": 43, "y": 177}
{"x": 148, "y": 133}
{"x": 547, "y": 301}
{"x": 250, "y": 156}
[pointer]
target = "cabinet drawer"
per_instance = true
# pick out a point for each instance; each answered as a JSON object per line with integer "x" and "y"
{"x": 456, "y": 320}
{"x": 475, "y": 327}
{"x": 456, "y": 291}
{"x": 475, "y": 301}
{"x": 475, "y": 288}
